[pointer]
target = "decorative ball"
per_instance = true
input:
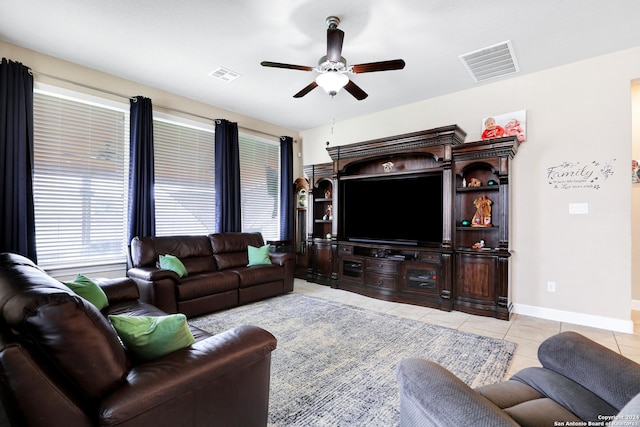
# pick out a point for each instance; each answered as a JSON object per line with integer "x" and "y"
{"x": 491, "y": 182}
{"x": 465, "y": 223}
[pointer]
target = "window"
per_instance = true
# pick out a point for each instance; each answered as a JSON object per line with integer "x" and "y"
{"x": 184, "y": 177}
{"x": 80, "y": 179}
{"x": 260, "y": 186}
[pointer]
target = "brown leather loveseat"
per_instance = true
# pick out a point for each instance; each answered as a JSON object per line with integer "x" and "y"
{"x": 217, "y": 274}
{"x": 62, "y": 364}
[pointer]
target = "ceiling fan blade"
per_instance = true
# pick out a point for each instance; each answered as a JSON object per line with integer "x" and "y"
{"x": 335, "y": 37}
{"x": 311, "y": 86}
{"x": 289, "y": 66}
{"x": 355, "y": 90}
{"x": 395, "y": 64}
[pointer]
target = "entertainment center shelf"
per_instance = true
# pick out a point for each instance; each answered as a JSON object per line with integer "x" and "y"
{"x": 420, "y": 218}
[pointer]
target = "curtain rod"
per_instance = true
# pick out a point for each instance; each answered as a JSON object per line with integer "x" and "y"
{"x": 32, "y": 71}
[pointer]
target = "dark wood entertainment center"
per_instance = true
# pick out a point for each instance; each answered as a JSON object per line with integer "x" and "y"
{"x": 449, "y": 274}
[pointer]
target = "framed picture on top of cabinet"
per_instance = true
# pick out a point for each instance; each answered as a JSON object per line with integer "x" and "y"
{"x": 510, "y": 124}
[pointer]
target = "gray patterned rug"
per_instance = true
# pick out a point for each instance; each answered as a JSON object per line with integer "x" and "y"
{"x": 335, "y": 363}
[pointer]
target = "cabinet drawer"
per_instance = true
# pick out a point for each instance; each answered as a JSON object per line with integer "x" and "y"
{"x": 381, "y": 281}
{"x": 345, "y": 250}
{"x": 430, "y": 257}
{"x": 382, "y": 265}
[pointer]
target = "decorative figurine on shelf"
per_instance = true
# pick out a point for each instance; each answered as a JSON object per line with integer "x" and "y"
{"x": 328, "y": 213}
{"x": 327, "y": 194}
{"x": 478, "y": 245}
{"x": 482, "y": 217}
{"x": 474, "y": 182}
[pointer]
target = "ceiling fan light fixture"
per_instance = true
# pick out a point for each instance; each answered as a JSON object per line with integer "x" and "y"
{"x": 332, "y": 82}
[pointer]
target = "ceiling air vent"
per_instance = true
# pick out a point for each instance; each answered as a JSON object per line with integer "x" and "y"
{"x": 491, "y": 62}
{"x": 224, "y": 74}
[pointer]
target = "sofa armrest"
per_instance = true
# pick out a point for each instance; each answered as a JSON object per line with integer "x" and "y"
{"x": 152, "y": 274}
{"x": 199, "y": 381}
{"x": 288, "y": 261}
{"x": 281, "y": 258}
{"x": 120, "y": 289}
{"x": 431, "y": 395}
{"x": 609, "y": 375}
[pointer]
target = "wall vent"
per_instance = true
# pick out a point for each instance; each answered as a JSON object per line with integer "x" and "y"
{"x": 491, "y": 62}
{"x": 224, "y": 74}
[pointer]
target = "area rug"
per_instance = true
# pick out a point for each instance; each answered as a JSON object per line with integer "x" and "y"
{"x": 335, "y": 364}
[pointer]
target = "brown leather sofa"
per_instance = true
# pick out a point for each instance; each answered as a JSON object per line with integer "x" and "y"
{"x": 217, "y": 273}
{"x": 62, "y": 364}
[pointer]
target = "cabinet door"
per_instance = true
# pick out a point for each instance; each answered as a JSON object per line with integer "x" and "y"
{"x": 322, "y": 259}
{"x": 475, "y": 278}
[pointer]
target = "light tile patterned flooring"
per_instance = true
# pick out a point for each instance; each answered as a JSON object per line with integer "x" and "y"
{"x": 528, "y": 332}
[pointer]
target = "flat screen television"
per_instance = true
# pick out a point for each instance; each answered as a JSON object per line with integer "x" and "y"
{"x": 392, "y": 209}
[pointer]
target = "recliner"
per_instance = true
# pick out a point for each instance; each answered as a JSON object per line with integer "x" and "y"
{"x": 579, "y": 381}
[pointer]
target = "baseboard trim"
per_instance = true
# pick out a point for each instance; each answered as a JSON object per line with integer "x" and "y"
{"x": 601, "y": 322}
{"x": 635, "y": 305}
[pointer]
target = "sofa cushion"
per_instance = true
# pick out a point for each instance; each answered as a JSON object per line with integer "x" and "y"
{"x": 230, "y": 249}
{"x": 259, "y": 274}
{"x": 258, "y": 256}
{"x": 201, "y": 285}
{"x": 193, "y": 251}
{"x": 173, "y": 263}
{"x": 151, "y": 337}
{"x": 89, "y": 290}
{"x": 67, "y": 329}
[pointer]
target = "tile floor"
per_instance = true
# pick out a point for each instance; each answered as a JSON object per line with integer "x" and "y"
{"x": 528, "y": 332}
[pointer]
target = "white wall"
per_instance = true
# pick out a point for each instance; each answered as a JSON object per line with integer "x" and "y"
{"x": 576, "y": 113}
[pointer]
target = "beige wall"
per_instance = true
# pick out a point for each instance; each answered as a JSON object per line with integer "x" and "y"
{"x": 43, "y": 64}
{"x": 576, "y": 113}
{"x": 635, "y": 199}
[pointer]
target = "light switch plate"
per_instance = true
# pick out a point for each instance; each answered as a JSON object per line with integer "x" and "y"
{"x": 578, "y": 208}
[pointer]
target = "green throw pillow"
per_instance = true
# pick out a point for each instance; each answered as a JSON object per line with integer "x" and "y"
{"x": 150, "y": 337}
{"x": 258, "y": 256}
{"x": 170, "y": 262}
{"x": 88, "y": 290}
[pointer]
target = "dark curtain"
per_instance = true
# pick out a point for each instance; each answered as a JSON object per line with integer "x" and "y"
{"x": 227, "y": 176}
{"x": 141, "y": 219}
{"x": 17, "y": 217}
{"x": 286, "y": 188}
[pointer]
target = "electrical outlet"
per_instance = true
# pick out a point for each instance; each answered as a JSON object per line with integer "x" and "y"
{"x": 551, "y": 286}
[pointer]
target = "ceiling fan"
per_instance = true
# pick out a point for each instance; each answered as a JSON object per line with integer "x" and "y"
{"x": 333, "y": 67}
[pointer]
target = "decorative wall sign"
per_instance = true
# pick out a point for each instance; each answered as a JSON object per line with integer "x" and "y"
{"x": 635, "y": 172}
{"x": 571, "y": 175}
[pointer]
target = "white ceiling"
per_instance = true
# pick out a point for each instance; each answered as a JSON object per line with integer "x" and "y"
{"x": 173, "y": 45}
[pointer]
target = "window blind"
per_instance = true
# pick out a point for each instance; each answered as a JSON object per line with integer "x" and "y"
{"x": 80, "y": 188}
{"x": 184, "y": 179}
{"x": 260, "y": 186}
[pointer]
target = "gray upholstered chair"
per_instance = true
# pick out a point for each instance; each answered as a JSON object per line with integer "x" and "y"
{"x": 579, "y": 380}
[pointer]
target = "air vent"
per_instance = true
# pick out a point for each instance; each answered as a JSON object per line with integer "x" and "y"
{"x": 491, "y": 62}
{"x": 224, "y": 74}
